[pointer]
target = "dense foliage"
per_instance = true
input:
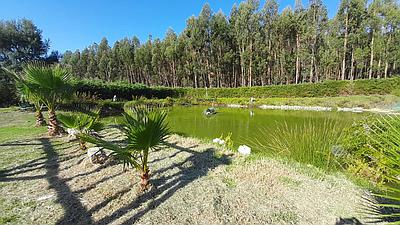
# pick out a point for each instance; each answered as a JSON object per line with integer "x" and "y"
{"x": 122, "y": 90}
{"x": 256, "y": 46}
{"x": 328, "y": 88}
{"x": 20, "y": 42}
{"x": 8, "y": 91}
{"x": 125, "y": 91}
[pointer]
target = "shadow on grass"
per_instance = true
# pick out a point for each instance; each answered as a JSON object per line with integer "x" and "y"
{"x": 194, "y": 166}
{"x": 74, "y": 211}
{"x": 348, "y": 221}
{"x": 164, "y": 187}
{"x": 381, "y": 214}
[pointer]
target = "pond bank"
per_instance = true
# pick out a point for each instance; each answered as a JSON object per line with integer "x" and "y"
{"x": 373, "y": 103}
{"x": 317, "y": 108}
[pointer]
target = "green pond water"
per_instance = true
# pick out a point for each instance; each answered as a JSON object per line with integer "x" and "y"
{"x": 247, "y": 125}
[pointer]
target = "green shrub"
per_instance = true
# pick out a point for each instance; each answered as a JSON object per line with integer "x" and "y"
{"x": 324, "y": 89}
{"x": 152, "y": 103}
{"x": 123, "y": 90}
{"x": 8, "y": 90}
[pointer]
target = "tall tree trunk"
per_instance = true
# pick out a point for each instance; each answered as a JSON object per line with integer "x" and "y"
{"x": 208, "y": 73}
{"x": 371, "y": 61}
{"x": 386, "y": 55}
{"x": 53, "y": 128}
{"x": 234, "y": 75}
{"x": 297, "y": 58}
{"x": 386, "y": 68}
{"x": 312, "y": 65}
{"x": 250, "y": 64}
{"x": 269, "y": 74}
{"x": 39, "y": 118}
{"x": 345, "y": 47}
{"x": 352, "y": 66}
{"x": 378, "y": 73}
{"x": 242, "y": 65}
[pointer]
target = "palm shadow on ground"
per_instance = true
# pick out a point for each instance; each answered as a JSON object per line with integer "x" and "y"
{"x": 200, "y": 163}
{"x": 193, "y": 167}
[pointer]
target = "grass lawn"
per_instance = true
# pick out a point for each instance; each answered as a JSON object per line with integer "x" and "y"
{"x": 50, "y": 181}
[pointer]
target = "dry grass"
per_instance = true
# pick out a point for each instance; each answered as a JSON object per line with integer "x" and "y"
{"x": 191, "y": 185}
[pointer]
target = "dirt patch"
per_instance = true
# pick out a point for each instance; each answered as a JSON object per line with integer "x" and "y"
{"x": 191, "y": 185}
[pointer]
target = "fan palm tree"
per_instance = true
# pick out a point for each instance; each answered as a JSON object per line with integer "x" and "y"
{"x": 33, "y": 99}
{"x": 83, "y": 123}
{"x": 50, "y": 86}
{"x": 385, "y": 137}
{"x": 145, "y": 130}
{"x": 28, "y": 95}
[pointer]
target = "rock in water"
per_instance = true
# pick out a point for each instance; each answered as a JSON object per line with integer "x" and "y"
{"x": 210, "y": 111}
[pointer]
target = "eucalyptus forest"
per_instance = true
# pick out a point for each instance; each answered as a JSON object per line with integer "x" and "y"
{"x": 256, "y": 45}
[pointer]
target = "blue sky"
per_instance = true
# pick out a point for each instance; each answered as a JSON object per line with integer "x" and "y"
{"x": 74, "y": 24}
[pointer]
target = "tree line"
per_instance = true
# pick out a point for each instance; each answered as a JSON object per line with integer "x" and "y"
{"x": 256, "y": 45}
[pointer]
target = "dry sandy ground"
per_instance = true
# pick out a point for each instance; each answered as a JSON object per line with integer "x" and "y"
{"x": 193, "y": 183}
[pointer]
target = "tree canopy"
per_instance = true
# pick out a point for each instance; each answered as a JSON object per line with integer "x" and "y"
{"x": 256, "y": 45}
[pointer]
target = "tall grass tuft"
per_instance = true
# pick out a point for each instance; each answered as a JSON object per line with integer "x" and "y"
{"x": 312, "y": 142}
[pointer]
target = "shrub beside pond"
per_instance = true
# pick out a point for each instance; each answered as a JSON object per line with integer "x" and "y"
{"x": 128, "y": 91}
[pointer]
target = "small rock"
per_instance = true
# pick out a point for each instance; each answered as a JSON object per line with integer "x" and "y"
{"x": 244, "y": 150}
{"x": 96, "y": 155}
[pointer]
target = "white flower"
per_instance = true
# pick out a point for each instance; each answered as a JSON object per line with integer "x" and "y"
{"x": 244, "y": 150}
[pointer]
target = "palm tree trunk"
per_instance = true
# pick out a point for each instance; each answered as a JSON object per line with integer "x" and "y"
{"x": 53, "y": 128}
{"x": 39, "y": 118}
{"x": 82, "y": 145}
{"x": 144, "y": 179}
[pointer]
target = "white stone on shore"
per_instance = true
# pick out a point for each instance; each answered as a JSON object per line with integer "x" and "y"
{"x": 96, "y": 155}
{"x": 295, "y": 107}
{"x": 236, "y": 106}
{"x": 244, "y": 150}
{"x": 219, "y": 141}
{"x": 72, "y": 132}
{"x": 355, "y": 109}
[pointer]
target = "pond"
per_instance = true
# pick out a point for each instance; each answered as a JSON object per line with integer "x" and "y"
{"x": 247, "y": 125}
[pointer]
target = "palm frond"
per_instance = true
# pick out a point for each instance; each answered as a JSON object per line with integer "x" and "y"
{"x": 385, "y": 134}
{"x": 81, "y": 121}
{"x": 50, "y": 84}
{"x": 122, "y": 154}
